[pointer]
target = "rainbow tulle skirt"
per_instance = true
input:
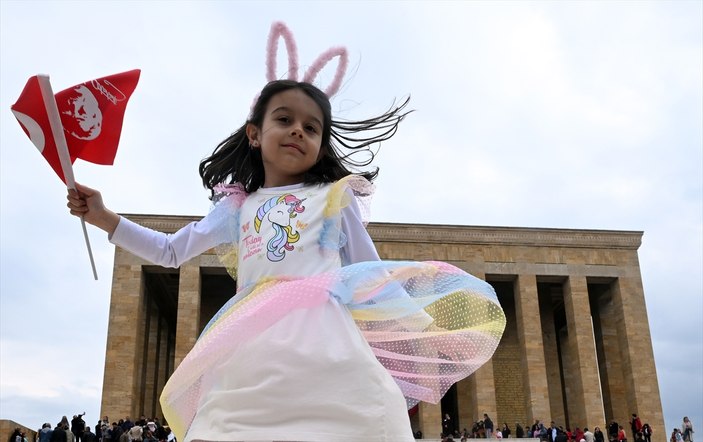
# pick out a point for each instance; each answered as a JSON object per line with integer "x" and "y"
{"x": 429, "y": 324}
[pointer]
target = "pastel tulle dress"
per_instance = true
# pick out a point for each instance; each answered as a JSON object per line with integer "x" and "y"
{"x": 323, "y": 341}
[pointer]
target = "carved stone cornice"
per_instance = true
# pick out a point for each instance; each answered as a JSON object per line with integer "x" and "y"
{"x": 452, "y": 234}
{"x": 505, "y": 236}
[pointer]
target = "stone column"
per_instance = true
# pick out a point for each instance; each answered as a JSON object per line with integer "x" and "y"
{"x": 551, "y": 357}
{"x": 430, "y": 420}
{"x": 121, "y": 381}
{"x": 529, "y": 329}
{"x": 188, "y": 320}
{"x": 463, "y": 396}
{"x": 636, "y": 354}
{"x": 150, "y": 360}
{"x": 483, "y": 388}
{"x": 585, "y": 400}
{"x": 163, "y": 363}
{"x": 610, "y": 361}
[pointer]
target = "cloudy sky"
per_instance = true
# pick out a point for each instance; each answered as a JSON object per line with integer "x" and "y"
{"x": 536, "y": 114}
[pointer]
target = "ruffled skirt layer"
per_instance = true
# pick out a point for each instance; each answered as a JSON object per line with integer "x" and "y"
{"x": 337, "y": 356}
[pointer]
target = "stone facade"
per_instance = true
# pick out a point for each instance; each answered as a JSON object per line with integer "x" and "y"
{"x": 7, "y": 427}
{"x": 576, "y": 349}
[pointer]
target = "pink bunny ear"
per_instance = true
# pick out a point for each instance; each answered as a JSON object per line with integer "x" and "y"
{"x": 322, "y": 61}
{"x": 279, "y": 29}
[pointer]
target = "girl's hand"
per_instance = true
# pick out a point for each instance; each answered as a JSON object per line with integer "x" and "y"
{"x": 87, "y": 203}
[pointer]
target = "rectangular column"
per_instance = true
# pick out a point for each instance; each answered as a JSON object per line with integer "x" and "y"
{"x": 529, "y": 328}
{"x": 430, "y": 420}
{"x": 163, "y": 364}
{"x": 463, "y": 396}
{"x": 483, "y": 388}
{"x": 150, "y": 365}
{"x": 610, "y": 362}
{"x": 585, "y": 400}
{"x": 121, "y": 381}
{"x": 551, "y": 358}
{"x": 188, "y": 318}
{"x": 636, "y": 353}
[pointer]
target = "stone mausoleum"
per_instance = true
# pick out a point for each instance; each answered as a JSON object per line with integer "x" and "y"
{"x": 576, "y": 349}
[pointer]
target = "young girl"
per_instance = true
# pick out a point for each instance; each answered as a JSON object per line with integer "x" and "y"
{"x": 323, "y": 341}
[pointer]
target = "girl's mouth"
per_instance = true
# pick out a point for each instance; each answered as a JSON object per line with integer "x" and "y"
{"x": 294, "y": 146}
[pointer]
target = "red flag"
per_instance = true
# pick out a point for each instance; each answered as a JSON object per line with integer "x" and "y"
{"x": 91, "y": 115}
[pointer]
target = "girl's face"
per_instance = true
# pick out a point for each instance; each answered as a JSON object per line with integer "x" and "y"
{"x": 290, "y": 137}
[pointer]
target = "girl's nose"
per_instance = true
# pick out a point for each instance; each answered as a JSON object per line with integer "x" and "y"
{"x": 297, "y": 132}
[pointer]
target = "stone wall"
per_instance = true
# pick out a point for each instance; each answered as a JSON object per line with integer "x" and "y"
{"x": 553, "y": 363}
{"x": 7, "y": 427}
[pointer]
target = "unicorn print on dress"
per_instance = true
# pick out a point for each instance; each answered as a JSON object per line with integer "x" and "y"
{"x": 280, "y": 211}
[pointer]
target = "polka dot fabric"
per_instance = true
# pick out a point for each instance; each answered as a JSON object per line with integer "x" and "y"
{"x": 428, "y": 323}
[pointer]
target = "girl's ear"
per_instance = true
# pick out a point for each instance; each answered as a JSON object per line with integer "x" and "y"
{"x": 253, "y": 135}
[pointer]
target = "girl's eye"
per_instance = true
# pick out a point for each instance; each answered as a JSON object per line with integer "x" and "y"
{"x": 283, "y": 119}
{"x": 312, "y": 129}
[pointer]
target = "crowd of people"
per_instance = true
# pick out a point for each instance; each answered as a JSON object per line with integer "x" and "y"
{"x": 683, "y": 434}
{"x": 124, "y": 430}
{"x": 485, "y": 429}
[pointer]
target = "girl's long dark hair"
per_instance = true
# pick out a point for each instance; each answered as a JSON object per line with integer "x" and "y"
{"x": 234, "y": 161}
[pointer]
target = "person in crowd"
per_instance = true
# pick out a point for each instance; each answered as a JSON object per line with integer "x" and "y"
{"x": 88, "y": 436}
{"x": 45, "y": 433}
{"x": 598, "y": 435}
{"x": 552, "y": 431}
{"x": 447, "y": 426}
{"x": 519, "y": 431}
{"x": 59, "y": 434}
{"x": 505, "y": 430}
{"x": 613, "y": 431}
{"x": 622, "y": 436}
{"x": 588, "y": 435}
{"x": 635, "y": 424}
{"x": 78, "y": 426}
{"x": 115, "y": 432}
{"x": 151, "y": 426}
{"x": 170, "y": 435}
{"x": 687, "y": 429}
{"x": 487, "y": 426}
{"x": 647, "y": 432}
{"x": 135, "y": 433}
{"x": 105, "y": 429}
{"x": 16, "y": 435}
{"x": 474, "y": 430}
{"x": 160, "y": 432}
{"x": 578, "y": 434}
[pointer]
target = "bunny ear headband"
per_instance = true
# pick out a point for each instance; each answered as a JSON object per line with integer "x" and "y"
{"x": 278, "y": 30}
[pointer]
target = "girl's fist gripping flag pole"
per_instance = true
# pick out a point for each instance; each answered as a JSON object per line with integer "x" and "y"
{"x": 83, "y": 121}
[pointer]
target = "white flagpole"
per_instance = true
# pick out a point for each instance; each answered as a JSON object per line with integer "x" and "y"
{"x": 52, "y": 111}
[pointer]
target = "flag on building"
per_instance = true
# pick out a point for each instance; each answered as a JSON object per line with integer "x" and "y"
{"x": 91, "y": 115}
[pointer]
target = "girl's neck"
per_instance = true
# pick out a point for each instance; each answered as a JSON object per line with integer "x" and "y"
{"x": 280, "y": 183}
